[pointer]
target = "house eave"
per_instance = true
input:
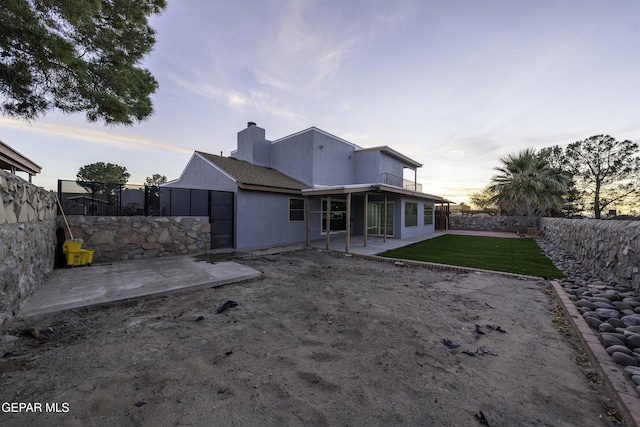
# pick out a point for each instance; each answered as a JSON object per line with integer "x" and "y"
{"x": 268, "y": 189}
{"x": 393, "y": 153}
{"x": 371, "y": 188}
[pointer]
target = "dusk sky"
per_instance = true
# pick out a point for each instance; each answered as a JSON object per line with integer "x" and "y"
{"x": 452, "y": 84}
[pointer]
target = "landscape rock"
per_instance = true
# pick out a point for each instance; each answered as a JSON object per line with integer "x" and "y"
{"x": 624, "y": 359}
{"x": 621, "y": 348}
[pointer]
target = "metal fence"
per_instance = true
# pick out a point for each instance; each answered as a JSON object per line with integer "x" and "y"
{"x": 397, "y": 181}
{"x": 106, "y": 199}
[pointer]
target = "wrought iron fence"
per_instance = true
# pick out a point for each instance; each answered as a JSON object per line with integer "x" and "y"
{"x": 106, "y": 199}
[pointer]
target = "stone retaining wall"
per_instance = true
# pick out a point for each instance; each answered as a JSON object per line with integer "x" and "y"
{"x": 514, "y": 224}
{"x": 607, "y": 249}
{"x": 28, "y": 240}
{"x": 135, "y": 237}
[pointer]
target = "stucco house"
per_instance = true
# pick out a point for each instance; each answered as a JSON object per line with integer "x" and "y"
{"x": 313, "y": 185}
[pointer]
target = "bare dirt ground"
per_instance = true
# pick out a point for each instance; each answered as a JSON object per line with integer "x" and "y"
{"x": 321, "y": 339}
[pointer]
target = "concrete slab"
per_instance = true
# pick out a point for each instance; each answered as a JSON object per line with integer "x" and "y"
{"x": 102, "y": 283}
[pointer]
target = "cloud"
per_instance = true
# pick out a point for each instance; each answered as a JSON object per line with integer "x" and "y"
{"x": 312, "y": 41}
{"x": 89, "y": 135}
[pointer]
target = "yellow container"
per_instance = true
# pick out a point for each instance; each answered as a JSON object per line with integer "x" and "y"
{"x": 73, "y": 259}
{"x": 71, "y": 246}
{"x": 86, "y": 256}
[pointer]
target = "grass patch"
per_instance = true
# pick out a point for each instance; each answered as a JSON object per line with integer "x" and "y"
{"x": 520, "y": 256}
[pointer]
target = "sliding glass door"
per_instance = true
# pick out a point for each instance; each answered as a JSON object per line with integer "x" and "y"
{"x": 375, "y": 218}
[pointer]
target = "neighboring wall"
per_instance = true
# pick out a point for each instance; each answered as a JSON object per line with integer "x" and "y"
{"x": 28, "y": 240}
{"x": 515, "y": 224}
{"x": 607, "y": 249}
{"x": 135, "y": 237}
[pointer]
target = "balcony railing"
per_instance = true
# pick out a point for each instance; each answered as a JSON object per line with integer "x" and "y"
{"x": 397, "y": 181}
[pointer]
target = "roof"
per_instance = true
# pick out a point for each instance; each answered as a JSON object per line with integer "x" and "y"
{"x": 393, "y": 153}
{"x": 253, "y": 177}
{"x": 11, "y": 160}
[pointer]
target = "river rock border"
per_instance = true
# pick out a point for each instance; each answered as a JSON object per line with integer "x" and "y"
{"x": 611, "y": 309}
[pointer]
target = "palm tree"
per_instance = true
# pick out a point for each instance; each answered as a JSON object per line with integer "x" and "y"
{"x": 528, "y": 186}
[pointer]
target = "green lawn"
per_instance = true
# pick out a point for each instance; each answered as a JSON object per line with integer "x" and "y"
{"x": 520, "y": 256}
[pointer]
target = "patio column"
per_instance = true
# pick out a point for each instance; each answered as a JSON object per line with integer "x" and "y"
{"x": 384, "y": 232}
{"x": 366, "y": 214}
{"x": 346, "y": 241}
{"x": 328, "y": 221}
{"x": 306, "y": 219}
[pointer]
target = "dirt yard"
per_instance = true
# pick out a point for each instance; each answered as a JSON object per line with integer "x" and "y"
{"x": 321, "y": 339}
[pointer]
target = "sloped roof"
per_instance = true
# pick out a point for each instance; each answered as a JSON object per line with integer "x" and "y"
{"x": 249, "y": 176}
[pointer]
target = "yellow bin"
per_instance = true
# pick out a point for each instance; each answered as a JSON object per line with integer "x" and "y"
{"x": 71, "y": 250}
{"x": 74, "y": 259}
{"x": 86, "y": 256}
{"x": 71, "y": 246}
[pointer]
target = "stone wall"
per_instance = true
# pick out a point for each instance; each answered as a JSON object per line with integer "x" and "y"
{"x": 135, "y": 237}
{"x": 514, "y": 224}
{"x": 28, "y": 236}
{"x": 609, "y": 250}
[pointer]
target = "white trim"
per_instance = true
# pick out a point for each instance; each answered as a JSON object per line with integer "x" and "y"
{"x": 304, "y": 209}
{"x": 323, "y": 212}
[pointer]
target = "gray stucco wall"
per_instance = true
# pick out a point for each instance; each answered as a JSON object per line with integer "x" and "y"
{"x": 262, "y": 219}
{"x": 367, "y": 167}
{"x": 28, "y": 240}
{"x": 200, "y": 174}
{"x": 315, "y": 158}
{"x": 420, "y": 229}
{"x": 293, "y": 156}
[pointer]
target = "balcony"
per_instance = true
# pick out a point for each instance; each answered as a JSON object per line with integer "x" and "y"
{"x": 397, "y": 181}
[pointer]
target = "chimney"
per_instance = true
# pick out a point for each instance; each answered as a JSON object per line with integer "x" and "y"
{"x": 253, "y": 147}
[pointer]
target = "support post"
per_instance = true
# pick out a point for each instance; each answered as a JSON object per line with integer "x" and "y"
{"x": 306, "y": 219}
{"x": 384, "y": 232}
{"x": 346, "y": 241}
{"x": 366, "y": 214}
{"x": 328, "y": 222}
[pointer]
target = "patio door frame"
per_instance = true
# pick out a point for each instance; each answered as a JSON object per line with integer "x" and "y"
{"x": 376, "y": 210}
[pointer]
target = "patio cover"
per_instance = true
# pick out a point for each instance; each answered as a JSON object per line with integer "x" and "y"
{"x": 348, "y": 190}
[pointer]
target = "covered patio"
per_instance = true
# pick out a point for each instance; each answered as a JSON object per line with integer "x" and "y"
{"x": 358, "y": 224}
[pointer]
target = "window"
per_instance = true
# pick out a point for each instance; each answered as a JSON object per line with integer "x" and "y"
{"x": 410, "y": 214}
{"x": 428, "y": 214}
{"x": 296, "y": 210}
{"x": 338, "y": 221}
